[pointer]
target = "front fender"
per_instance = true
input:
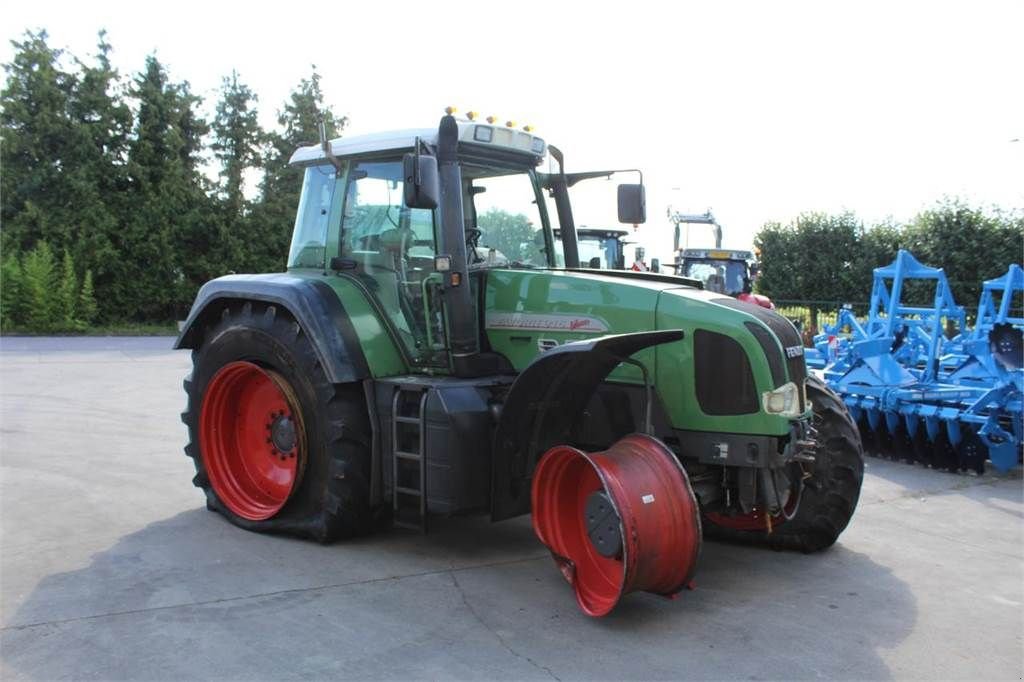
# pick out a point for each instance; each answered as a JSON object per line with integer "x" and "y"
{"x": 313, "y": 305}
{"x": 543, "y": 405}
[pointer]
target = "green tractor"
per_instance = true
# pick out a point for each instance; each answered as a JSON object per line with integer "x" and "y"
{"x": 432, "y": 351}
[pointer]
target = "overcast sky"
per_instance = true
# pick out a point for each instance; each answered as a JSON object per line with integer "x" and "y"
{"x": 757, "y": 110}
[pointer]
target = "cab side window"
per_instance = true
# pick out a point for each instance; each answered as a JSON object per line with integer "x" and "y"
{"x": 309, "y": 240}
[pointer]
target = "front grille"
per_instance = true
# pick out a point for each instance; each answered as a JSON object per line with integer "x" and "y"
{"x": 723, "y": 377}
{"x": 772, "y": 354}
{"x": 789, "y": 337}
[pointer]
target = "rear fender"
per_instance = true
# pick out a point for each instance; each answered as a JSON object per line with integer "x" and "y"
{"x": 544, "y": 404}
{"x": 312, "y": 303}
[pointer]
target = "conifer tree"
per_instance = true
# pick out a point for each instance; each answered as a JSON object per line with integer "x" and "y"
{"x": 35, "y": 127}
{"x": 97, "y": 171}
{"x": 237, "y": 139}
{"x": 237, "y": 144}
{"x": 64, "y": 141}
{"x": 39, "y": 280}
{"x": 11, "y": 293}
{"x": 164, "y": 242}
{"x": 66, "y": 295}
{"x": 299, "y": 123}
{"x": 86, "y": 301}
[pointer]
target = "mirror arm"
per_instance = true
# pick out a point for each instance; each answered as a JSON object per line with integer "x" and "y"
{"x": 418, "y": 145}
{"x": 416, "y": 163}
{"x": 573, "y": 178}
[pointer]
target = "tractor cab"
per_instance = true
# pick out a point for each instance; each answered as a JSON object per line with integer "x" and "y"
{"x": 420, "y": 216}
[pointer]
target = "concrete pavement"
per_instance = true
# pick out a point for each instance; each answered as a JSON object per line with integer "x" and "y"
{"x": 111, "y": 568}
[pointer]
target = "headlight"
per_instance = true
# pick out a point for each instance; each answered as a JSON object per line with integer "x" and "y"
{"x": 783, "y": 401}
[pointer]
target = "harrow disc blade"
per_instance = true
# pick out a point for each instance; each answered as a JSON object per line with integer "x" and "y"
{"x": 867, "y": 436}
{"x": 924, "y": 449}
{"x": 884, "y": 441}
{"x": 972, "y": 452}
{"x": 903, "y": 445}
{"x": 944, "y": 453}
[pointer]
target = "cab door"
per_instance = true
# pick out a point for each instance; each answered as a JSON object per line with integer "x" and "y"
{"x": 390, "y": 248}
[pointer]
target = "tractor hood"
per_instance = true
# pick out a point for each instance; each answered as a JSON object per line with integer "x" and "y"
{"x": 735, "y": 351}
{"x": 531, "y": 311}
{"x": 537, "y": 309}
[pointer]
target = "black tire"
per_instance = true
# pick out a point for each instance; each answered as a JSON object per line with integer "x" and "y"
{"x": 331, "y": 499}
{"x": 829, "y": 497}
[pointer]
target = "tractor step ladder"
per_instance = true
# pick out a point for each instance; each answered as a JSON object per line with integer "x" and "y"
{"x": 409, "y": 472}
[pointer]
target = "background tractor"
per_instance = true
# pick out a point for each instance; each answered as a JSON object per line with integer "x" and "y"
{"x": 727, "y": 271}
{"x": 603, "y": 248}
{"x": 606, "y": 248}
{"x": 405, "y": 366}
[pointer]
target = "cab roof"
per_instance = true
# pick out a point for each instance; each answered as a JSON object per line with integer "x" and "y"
{"x": 472, "y": 132}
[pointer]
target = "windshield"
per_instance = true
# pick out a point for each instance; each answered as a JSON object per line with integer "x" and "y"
{"x": 506, "y": 224}
{"x": 722, "y": 276}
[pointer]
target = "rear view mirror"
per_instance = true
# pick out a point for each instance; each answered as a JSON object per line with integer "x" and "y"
{"x": 632, "y": 204}
{"x": 421, "y": 188}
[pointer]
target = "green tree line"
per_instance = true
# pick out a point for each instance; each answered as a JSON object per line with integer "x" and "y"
{"x": 118, "y": 199}
{"x": 824, "y": 259}
{"x": 129, "y": 194}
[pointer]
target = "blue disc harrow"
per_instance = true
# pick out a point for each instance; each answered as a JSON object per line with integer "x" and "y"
{"x": 950, "y": 403}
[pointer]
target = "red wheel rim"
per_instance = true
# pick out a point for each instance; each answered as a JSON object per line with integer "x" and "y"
{"x": 657, "y": 519}
{"x": 252, "y": 439}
